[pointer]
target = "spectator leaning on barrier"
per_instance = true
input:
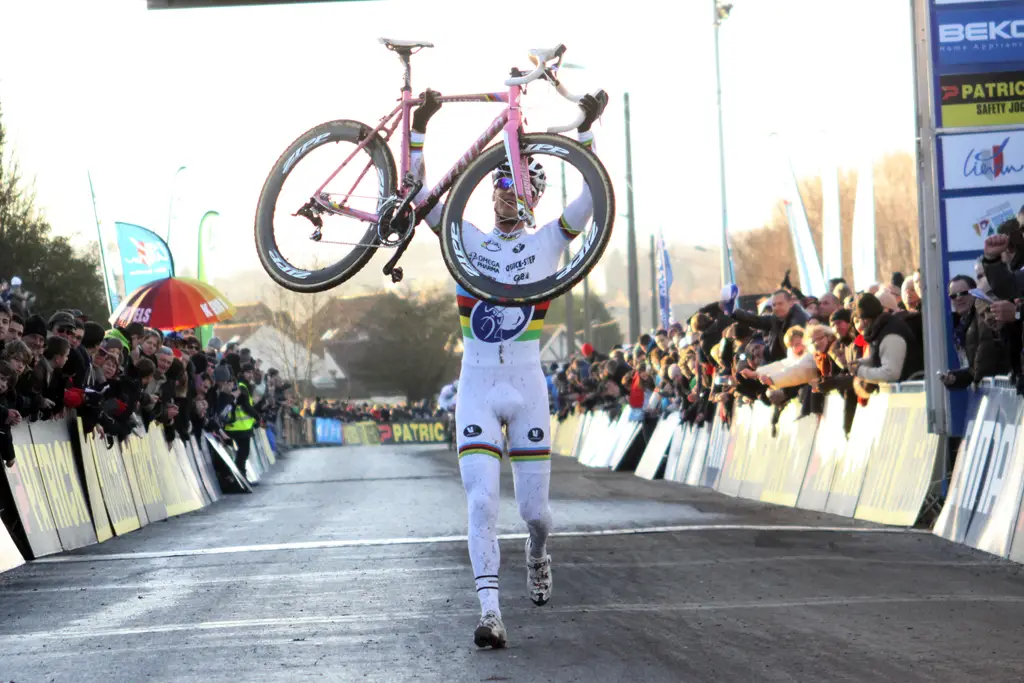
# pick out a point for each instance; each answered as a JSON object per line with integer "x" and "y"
{"x": 894, "y": 355}
{"x": 9, "y": 415}
{"x": 986, "y": 353}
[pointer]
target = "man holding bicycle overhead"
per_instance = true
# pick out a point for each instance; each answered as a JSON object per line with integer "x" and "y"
{"x": 502, "y": 382}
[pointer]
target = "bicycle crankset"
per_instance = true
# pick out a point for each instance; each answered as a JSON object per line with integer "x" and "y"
{"x": 404, "y": 213}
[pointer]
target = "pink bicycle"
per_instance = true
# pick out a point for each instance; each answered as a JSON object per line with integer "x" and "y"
{"x": 311, "y": 241}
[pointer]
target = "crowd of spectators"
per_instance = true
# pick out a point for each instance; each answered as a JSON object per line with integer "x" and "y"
{"x": 364, "y": 411}
{"x": 124, "y": 379}
{"x": 787, "y": 347}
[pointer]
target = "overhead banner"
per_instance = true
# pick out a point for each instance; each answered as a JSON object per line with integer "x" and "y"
{"x": 144, "y": 256}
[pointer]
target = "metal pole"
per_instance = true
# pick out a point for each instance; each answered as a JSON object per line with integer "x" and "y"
{"x": 934, "y": 302}
{"x": 570, "y": 305}
{"x": 655, "y": 317}
{"x": 633, "y": 284}
{"x": 103, "y": 253}
{"x": 727, "y": 274}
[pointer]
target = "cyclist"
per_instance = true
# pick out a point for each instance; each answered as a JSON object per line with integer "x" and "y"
{"x": 446, "y": 401}
{"x": 503, "y": 382}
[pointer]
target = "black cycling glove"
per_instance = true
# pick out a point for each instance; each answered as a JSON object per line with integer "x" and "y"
{"x": 593, "y": 106}
{"x": 421, "y": 115}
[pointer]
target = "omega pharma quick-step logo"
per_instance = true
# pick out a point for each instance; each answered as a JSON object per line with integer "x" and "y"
{"x": 981, "y": 35}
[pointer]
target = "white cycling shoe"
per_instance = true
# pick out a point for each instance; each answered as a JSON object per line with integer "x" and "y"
{"x": 490, "y": 632}
{"x": 538, "y": 577}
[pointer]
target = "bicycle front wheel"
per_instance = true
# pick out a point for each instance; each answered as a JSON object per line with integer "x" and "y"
{"x": 530, "y": 273}
{"x": 297, "y": 253}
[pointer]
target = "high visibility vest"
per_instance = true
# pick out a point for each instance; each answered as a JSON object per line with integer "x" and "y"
{"x": 242, "y": 421}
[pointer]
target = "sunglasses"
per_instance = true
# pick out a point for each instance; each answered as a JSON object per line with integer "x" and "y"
{"x": 66, "y": 329}
{"x": 958, "y": 295}
{"x": 504, "y": 183}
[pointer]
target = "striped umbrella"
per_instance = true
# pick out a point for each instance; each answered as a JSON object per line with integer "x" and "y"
{"x": 173, "y": 303}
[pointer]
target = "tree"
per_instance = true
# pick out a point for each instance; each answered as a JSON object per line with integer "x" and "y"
{"x": 294, "y": 349}
{"x": 606, "y": 332}
{"x": 411, "y": 344}
{"x": 764, "y": 254}
{"x": 48, "y": 266}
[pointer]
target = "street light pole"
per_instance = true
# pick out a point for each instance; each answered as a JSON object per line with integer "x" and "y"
{"x": 631, "y": 262}
{"x": 721, "y": 11}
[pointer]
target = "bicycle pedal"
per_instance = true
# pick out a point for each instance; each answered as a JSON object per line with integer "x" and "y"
{"x": 397, "y": 274}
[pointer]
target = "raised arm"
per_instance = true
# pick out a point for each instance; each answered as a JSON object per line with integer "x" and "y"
{"x": 417, "y": 135}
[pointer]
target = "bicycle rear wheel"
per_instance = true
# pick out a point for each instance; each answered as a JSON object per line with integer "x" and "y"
{"x": 285, "y": 242}
{"x": 506, "y": 282}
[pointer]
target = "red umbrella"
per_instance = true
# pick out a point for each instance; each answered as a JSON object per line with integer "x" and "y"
{"x": 173, "y": 303}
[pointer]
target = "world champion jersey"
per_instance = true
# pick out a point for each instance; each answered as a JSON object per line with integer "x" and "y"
{"x": 509, "y": 335}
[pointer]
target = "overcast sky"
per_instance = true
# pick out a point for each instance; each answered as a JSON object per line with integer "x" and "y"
{"x": 131, "y": 95}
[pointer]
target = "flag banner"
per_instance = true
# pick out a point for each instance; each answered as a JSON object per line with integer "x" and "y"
{"x": 144, "y": 256}
{"x": 664, "y": 282}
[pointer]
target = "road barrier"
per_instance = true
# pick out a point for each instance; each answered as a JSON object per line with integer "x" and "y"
{"x": 887, "y": 471}
{"x": 68, "y": 489}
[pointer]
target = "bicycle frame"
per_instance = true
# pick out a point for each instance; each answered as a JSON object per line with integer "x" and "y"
{"x": 509, "y": 121}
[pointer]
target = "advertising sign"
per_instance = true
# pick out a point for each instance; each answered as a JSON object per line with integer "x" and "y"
{"x": 981, "y": 35}
{"x": 969, "y": 220}
{"x": 982, "y": 160}
{"x": 989, "y": 99}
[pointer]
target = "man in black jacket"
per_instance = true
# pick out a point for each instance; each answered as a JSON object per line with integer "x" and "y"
{"x": 786, "y": 313}
{"x": 894, "y": 354}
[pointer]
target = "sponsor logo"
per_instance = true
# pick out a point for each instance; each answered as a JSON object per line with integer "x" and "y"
{"x": 982, "y": 99}
{"x": 982, "y": 160}
{"x": 484, "y": 263}
{"x": 473, "y": 430}
{"x": 990, "y": 162}
{"x": 301, "y": 151}
{"x": 520, "y": 264}
{"x": 148, "y": 254}
{"x": 135, "y": 315}
{"x": 582, "y": 253}
{"x": 287, "y": 268}
{"x": 979, "y": 36}
{"x": 547, "y": 149}
{"x": 490, "y": 245}
{"x": 460, "y": 252}
{"x": 494, "y": 324}
{"x": 518, "y": 248}
{"x": 969, "y": 220}
{"x": 535, "y": 434}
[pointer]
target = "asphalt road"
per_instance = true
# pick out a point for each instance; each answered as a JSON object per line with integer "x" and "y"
{"x": 346, "y": 565}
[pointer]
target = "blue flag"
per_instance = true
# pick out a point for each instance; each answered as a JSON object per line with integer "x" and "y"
{"x": 664, "y": 282}
{"x": 144, "y": 256}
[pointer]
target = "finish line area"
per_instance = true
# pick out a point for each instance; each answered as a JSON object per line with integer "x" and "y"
{"x": 347, "y": 564}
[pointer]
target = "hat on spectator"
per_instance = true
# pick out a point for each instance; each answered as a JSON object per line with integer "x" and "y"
{"x": 15, "y": 281}
{"x": 60, "y": 318}
{"x": 214, "y": 343}
{"x": 248, "y": 367}
{"x": 222, "y": 373}
{"x": 587, "y": 349}
{"x": 841, "y": 316}
{"x": 868, "y": 306}
{"x": 888, "y": 301}
{"x": 36, "y": 325}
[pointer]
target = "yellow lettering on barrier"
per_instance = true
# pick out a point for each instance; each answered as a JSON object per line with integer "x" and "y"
{"x": 80, "y": 513}
{"x": 438, "y": 432}
{"x": 54, "y": 487}
{"x": 40, "y": 510}
{"x": 114, "y": 483}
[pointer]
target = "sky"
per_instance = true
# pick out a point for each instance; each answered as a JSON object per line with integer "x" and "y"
{"x": 130, "y": 95}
